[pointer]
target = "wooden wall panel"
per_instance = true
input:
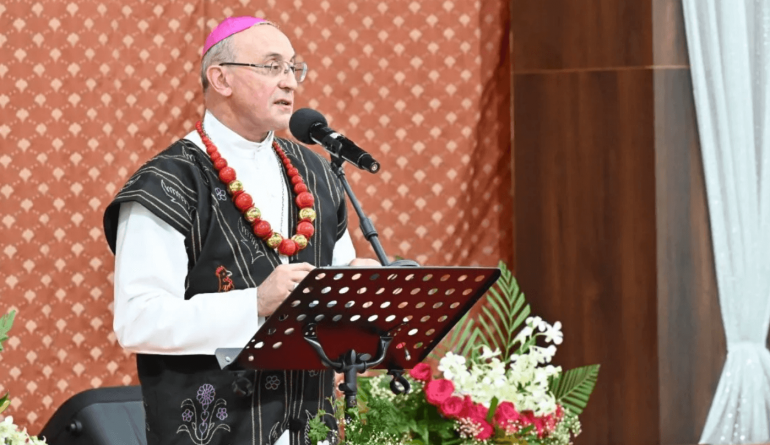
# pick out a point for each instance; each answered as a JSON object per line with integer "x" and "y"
{"x": 612, "y": 231}
{"x": 669, "y": 41}
{"x": 573, "y": 34}
{"x": 691, "y": 339}
{"x": 585, "y": 249}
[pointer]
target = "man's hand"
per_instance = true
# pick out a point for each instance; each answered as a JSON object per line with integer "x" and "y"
{"x": 365, "y": 262}
{"x": 278, "y": 285}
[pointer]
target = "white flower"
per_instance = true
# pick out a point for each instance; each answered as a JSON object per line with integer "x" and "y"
{"x": 451, "y": 360}
{"x": 523, "y": 378}
{"x": 543, "y": 355}
{"x": 537, "y": 322}
{"x": 9, "y": 434}
{"x": 323, "y": 442}
{"x": 554, "y": 334}
{"x": 487, "y": 353}
{"x": 523, "y": 335}
{"x": 552, "y": 370}
{"x": 453, "y": 366}
{"x": 548, "y": 353}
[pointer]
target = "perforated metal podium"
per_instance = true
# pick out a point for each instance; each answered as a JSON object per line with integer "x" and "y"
{"x": 346, "y": 319}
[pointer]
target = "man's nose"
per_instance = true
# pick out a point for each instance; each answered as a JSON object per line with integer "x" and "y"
{"x": 288, "y": 79}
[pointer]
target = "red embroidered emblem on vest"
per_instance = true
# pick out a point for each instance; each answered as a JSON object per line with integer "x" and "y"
{"x": 225, "y": 282}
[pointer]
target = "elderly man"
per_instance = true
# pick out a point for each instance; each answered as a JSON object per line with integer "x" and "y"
{"x": 211, "y": 235}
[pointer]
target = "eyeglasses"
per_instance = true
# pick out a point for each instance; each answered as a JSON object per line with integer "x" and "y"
{"x": 275, "y": 69}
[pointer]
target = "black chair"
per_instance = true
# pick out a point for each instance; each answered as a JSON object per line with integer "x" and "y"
{"x": 104, "y": 416}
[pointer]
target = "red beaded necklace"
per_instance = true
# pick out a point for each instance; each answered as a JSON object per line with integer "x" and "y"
{"x": 244, "y": 202}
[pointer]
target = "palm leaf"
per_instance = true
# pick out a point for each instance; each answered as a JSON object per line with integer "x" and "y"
{"x": 573, "y": 388}
{"x": 504, "y": 311}
{"x": 6, "y": 321}
{"x": 469, "y": 347}
{"x": 495, "y": 339}
{"x": 462, "y": 333}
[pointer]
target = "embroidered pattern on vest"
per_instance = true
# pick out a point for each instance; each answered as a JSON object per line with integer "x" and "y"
{"x": 176, "y": 197}
{"x": 202, "y": 427}
{"x": 225, "y": 282}
{"x": 252, "y": 243}
{"x": 131, "y": 181}
{"x": 274, "y": 431}
{"x": 272, "y": 383}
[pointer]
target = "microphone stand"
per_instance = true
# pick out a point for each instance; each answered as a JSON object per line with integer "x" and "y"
{"x": 367, "y": 227}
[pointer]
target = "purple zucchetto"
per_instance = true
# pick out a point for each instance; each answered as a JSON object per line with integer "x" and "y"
{"x": 228, "y": 27}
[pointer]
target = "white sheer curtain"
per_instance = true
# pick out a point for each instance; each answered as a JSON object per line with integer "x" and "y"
{"x": 729, "y": 46}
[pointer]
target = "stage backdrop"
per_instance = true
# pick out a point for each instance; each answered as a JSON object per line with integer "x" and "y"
{"x": 89, "y": 90}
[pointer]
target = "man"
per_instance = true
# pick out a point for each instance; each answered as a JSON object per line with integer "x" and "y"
{"x": 203, "y": 255}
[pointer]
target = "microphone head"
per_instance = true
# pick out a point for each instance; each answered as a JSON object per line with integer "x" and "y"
{"x": 302, "y": 121}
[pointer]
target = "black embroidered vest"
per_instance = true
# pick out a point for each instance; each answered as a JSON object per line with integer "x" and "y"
{"x": 188, "y": 399}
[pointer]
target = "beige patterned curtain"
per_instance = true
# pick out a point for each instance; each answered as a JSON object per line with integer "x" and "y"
{"x": 91, "y": 89}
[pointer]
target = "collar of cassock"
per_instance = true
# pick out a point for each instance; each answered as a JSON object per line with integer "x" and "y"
{"x": 230, "y": 143}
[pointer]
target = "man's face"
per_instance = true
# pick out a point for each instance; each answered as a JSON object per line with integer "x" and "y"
{"x": 262, "y": 102}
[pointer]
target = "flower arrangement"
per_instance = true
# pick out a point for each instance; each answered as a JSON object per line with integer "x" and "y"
{"x": 491, "y": 382}
{"x": 9, "y": 433}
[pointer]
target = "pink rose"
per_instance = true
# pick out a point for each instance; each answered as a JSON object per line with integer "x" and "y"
{"x": 527, "y": 418}
{"x": 550, "y": 423}
{"x": 467, "y": 407}
{"x": 540, "y": 427}
{"x": 485, "y": 431}
{"x": 480, "y": 412}
{"x": 421, "y": 372}
{"x": 452, "y": 407}
{"x": 505, "y": 413}
{"x": 475, "y": 412}
{"x": 437, "y": 391}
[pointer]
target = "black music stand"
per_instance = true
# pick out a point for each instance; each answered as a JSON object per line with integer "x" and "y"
{"x": 337, "y": 311}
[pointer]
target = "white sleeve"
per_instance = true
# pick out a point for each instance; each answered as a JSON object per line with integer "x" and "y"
{"x": 344, "y": 252}
{"x": 151, "y": 314}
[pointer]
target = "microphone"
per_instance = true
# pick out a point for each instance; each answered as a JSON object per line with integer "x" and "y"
{"x": 310, "y": 127}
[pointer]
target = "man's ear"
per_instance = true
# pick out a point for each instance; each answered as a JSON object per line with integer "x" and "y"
{"x": 218, "y": 80}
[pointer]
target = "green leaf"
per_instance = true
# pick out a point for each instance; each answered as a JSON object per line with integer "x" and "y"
{"x": 467, "y": 333}
{"x": 5, "y": 401}
{"x": 492, "y": 408}
{"x": 498, "y": 302}
{"x": 526, "y": 345}
{"x": 6, "y": 321}
{"x": 492, "y": 335}
{"x": 471, "y": 345}
{"x": 573, "y": 388}
{"x": 503, "y": 311}
{"x": 523, "y": 315}
{"x": 457, "y": 338}
{"x": 317, "y": 429}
